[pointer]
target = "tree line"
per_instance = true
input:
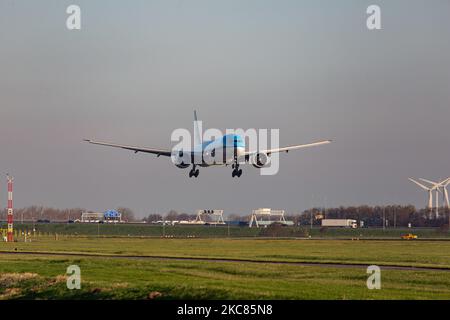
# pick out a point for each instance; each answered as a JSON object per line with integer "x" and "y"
{"x": 371, "y": 216}
{"x": 42, "y": 213}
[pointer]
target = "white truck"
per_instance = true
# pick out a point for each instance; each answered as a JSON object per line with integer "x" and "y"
{"x": 342, "y": 223}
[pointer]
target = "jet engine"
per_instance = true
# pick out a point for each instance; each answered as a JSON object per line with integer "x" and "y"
{"x": 180, "y": 159}
{"x": 260, "y": 160}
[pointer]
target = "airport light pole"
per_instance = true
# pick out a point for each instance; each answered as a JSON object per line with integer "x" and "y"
{"x": 32, "y": 219}
{"x": 395, "y": 218}
{"x": 164, "y": 228}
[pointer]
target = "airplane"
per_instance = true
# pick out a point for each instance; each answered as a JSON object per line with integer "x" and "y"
{"x": 229, "y": 148}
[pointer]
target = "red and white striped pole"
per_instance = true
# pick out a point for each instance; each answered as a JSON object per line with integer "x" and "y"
{"x": 10, "y": 236}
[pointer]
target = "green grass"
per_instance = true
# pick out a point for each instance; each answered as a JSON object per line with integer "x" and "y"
{"x": 402, "y": 253}
{"x": 104, "y": 278}
{"x": 125, "y": 278}
{"x": 148, "y": 230}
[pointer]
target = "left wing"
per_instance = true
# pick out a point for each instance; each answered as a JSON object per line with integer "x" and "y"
{"x": 158, "y": 152}
{"x": 289, "y": 148}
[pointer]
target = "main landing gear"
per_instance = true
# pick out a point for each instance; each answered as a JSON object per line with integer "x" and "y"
{"x": 194, "y": 172}
{"x": 236, "y": 171}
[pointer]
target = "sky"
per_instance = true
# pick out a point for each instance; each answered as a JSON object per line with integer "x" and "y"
{"x": 137, "y": 70}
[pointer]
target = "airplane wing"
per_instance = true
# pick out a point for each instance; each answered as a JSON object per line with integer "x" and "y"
{"x": 289, "y": 148}
{"x": 158, "y": 152}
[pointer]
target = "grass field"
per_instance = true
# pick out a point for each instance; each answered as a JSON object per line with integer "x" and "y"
{"x": 42, "y": 276}
{"x": 148, "y": 230}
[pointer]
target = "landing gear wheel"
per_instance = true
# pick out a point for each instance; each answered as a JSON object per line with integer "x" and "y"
{"x": 236, "y": 171}
{"x": 194, "y": 172}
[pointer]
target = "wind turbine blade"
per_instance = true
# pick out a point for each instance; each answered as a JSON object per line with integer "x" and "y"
{"x": 446, "y": 182}
{"x": 419, "y": 184}
{"x": 431, "y": 182}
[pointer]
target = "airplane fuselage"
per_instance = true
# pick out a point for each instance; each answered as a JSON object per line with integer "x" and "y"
{"x": 222, "y": 151}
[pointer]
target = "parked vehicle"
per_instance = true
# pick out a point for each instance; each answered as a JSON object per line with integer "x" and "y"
{"x": 342, "y": 223}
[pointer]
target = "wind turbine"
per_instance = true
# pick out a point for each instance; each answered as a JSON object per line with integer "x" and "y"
{"x": 430, "y": 193}
{"x": 443, "y": 184}
{"x": 446, "y": 198}
{"x": 444, "y": 187}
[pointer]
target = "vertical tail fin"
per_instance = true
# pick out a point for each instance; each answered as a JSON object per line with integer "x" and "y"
{"x": 197, "y": 127}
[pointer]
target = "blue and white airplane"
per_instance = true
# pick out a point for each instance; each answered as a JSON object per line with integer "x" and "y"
{"x": 227, "y": 150}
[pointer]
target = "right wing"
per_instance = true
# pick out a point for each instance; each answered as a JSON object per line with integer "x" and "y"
{"x": 158, "y": 152}
{"x": 289, "y": 148}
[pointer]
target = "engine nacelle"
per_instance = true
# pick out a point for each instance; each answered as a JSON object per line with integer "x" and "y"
{"x": 260, "y": 160}
{"x": 180, "y": 160}
{"x": 182, "y": 165}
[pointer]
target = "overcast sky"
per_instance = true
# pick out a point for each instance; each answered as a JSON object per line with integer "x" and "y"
{"x": 136, "y": 70}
